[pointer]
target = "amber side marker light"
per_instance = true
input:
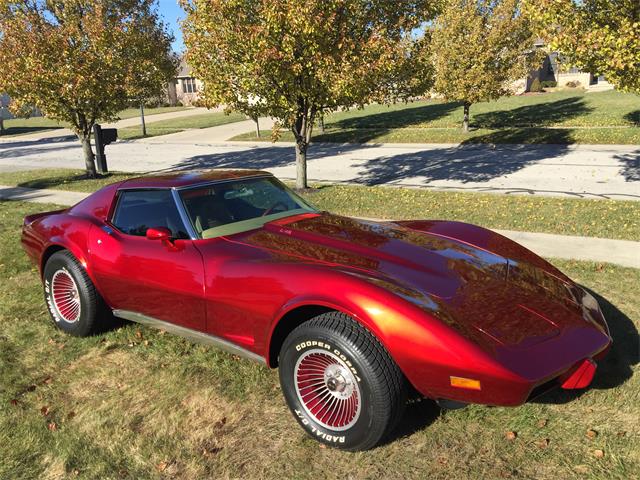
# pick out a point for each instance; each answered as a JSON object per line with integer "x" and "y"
{"x": 468, "y": 383}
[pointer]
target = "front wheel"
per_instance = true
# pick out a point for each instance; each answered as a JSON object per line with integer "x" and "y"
{"x": 340, "y": 383}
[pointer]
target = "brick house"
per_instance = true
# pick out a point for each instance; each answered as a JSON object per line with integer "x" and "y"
{"x": 185, "y": 88}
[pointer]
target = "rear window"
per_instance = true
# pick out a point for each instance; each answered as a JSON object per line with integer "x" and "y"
{"x": 139, "y": 210}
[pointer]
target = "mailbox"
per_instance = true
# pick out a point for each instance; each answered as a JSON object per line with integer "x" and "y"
{"x": 103, "y": 137}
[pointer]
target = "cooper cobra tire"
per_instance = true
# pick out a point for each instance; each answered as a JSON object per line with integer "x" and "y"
{"x": 340, "y": 383}
{"x": 72, "y": 300}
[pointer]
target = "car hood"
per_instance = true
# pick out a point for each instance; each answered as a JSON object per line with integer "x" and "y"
{"x": 485, "y": 286}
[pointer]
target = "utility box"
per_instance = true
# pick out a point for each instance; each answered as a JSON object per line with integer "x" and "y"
{"x": 103, "y": 137}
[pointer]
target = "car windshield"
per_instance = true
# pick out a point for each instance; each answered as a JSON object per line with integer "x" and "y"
{"x": 240, "y": 205}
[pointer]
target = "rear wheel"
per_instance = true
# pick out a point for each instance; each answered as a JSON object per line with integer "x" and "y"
{"x": 73, "y": 302}
{"x": 340, "y": 383}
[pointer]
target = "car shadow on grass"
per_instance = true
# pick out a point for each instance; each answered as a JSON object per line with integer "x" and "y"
{"x": 418, "y": 415}
{"x": 617, "y": 367}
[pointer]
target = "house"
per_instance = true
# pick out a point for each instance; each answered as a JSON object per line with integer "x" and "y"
{"x": 555, "y": 68}
{"x": 185, "y": 88}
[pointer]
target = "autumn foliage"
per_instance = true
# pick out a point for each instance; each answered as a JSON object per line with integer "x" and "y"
{"x": 598, "y": 36}
{"x": 80, "y": 61}
{"x": 297, "y": 60}
{"x": 479, "y": 48}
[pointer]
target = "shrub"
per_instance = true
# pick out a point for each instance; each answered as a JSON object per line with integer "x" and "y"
{"x": 549, "y": 84}
{"x": 536, "y": 86}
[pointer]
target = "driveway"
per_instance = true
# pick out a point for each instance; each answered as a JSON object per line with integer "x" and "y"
{"x": 580, "y": 171}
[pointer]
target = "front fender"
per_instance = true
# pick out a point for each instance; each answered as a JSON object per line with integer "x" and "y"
{"x": 424, "y": 347}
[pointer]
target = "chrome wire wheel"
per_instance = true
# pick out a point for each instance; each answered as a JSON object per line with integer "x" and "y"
{"x": 66, "y": 297}
{"x": 327, "y": 389}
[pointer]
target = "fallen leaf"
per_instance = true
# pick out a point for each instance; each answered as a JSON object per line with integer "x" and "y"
{"x": 52, "y": 426}
{"x": 511, "y": 435}
{"x": 146, "y": 343}
{"x": 47, "y": 380}
{"x": 31, "y": 388}
{"x": 220, "y": 423}
{"x": 138, "y": 334}
{"x": 44, "y": 410}
{"x": 162, "y": 466}
{"x": 622, "y": 434}
{"x": 598, "y": 453}
{"x": 544, "y": 443}
{"x": 70, "y": 415}
{"x": 591, "y": 434}
{"x": 14, "y": 401}
{"x": 542, "y": 423}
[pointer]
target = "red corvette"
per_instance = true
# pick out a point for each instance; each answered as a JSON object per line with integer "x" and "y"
{"x": 354, "y": 312}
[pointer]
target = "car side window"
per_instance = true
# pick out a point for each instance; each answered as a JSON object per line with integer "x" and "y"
{"x": 139, "y": 210}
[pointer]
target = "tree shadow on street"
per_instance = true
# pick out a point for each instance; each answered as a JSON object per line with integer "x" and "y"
{"x": 536, "y": 115}
{"x": 262, "y": 157}
{"x": 468, "y": 163}
{"x": 630, "y": 166}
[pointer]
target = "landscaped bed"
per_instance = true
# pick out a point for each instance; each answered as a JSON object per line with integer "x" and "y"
{"x": 134, "y": 403}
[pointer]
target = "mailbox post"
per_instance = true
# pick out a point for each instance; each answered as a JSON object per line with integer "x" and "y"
{"x": 103, "y": 137}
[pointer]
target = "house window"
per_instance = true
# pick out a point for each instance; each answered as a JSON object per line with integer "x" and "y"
{"x": 189, "y": 85}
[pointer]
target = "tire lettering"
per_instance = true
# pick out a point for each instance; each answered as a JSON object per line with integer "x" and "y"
{"x": 326, "y": 437}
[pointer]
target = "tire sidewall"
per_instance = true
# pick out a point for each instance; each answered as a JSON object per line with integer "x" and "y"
{"x": 62, "y": 262}
{"x": 317, "y": 338}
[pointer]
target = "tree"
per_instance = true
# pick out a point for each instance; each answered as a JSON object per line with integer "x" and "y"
{"x": 79, "y": 61}
{"x": 297, "y": 60}
{"x": 479, "y": 48}
{"x": 598, "y": 36}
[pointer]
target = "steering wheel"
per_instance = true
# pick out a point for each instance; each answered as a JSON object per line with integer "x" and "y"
{"x": 272, "y": 207}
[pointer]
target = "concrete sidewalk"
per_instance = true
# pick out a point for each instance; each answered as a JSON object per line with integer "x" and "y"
{"x": 620, "y": 252}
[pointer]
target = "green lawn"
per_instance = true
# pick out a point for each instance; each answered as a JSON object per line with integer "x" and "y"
{"x": 569, "y": 116}
{"x": 21, "y": 126}
{"x": 175, "y": 125}
{"x": 566, "y": 216}
{"x": 134, "y": 403}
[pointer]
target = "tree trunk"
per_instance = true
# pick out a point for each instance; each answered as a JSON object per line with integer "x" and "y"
{"x": 465, "y": 121}
{"x": 301, "y": 164}
{"x": 321, "y": 123}
{"x": 144, "y": 125}
{"x": 302, "y": 129}
{"x": 255, "y": 119}
{"x": 89, "y": 157}
{"x": 1, "y": 122}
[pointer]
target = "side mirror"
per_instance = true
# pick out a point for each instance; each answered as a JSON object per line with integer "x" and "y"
{"x": 159, "y": 233}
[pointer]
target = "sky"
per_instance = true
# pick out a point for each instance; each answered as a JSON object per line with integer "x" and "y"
{"x": 171, "y": 13}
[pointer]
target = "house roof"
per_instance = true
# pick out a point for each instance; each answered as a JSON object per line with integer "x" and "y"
{"x": 184, "y": 69}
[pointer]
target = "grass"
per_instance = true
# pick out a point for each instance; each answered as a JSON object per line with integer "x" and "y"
{"x": 21, "y": 126}
{"x": 133, "y": 403}
{"x": 176, "y": 125}
{"x": 61, "y": 179}
{"x": 565, "y": 216}
{"x": 563, "y": 117}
